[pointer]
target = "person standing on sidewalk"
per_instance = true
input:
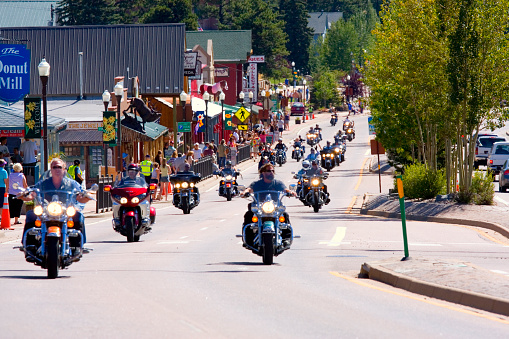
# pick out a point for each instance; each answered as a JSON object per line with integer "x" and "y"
{"x": 28, "y": 151}
{"x": 146, "y": 168}
{"x": 16, "y": 178}
{"x": 165, "y": 173}
{"x": 4, "y": 180}
{"x": 221, "y": 154}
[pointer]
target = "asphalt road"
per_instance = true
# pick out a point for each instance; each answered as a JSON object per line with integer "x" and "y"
{"x": 191, "y": 277}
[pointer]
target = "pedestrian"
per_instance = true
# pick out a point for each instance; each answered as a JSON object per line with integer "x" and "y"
{"x": 209, "y": 151}
{"x": 169, "y": 149}
{"x": 214, "y": 146}
{"x": 154, "y": 178}
{"x": 263, "y": 137}
{"x": 16, "y": 157}
{"x": 171, "y": 162}
{"x": 28, "y": 151}
{"x": 165, "y": 173}
{"x": 4, "y": 179}
{"x": 287, "y": 122}
{"x": 280, "y": 127}
{"x": 235, "y": 135}
{"x": 196, "y": 151}
{"x": 221, "y": 153}
{"x": 74, "y": 172}
{"x": 159, "y": 157}
{"x": 253, "y": 143}
{"x": 16, "y": 179}
{"x": 190, "y": 157}
{"x": 232, "y": 150}
{"x": 146, "y": 168}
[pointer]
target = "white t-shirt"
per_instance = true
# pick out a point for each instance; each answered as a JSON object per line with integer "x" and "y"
{"x": 236, "y": 136}
{"x": 197, "y": 153}
{"x": 28, "y": 148}
{"x": 3, "y": 149}
{"x": 280, "y": 124}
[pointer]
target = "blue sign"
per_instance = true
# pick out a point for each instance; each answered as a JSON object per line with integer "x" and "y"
{"x": 14, "y": 72}
{"x": 371, "y": 126}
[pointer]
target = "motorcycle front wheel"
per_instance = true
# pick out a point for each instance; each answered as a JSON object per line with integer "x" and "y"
{"x": 185, "y": 205}
{"x": 52, "y": 257}
{"x": 268, "y": 249}
{"x": 129, "y": 228}
{"x": 228, "y": 195}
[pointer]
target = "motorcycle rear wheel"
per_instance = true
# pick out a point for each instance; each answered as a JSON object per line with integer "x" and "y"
{"x": 52, "y": 257}
{"x": 228, "y": 195}
{"x": 129, "y": 228}
{"x": 268, "y": 249}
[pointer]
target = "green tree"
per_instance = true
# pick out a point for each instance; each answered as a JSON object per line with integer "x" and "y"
{"x": 296, "y": 16}
{"x": 172, "y": 11}
{"x": 340, "y": 41}
{"x": 86, "y": 12}
{"x": 324, "y": 89}
{"x": 268, "y": 36}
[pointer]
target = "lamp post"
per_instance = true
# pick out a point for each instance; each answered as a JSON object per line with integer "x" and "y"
{"x": 106, "y": 101}
{"x": 304, "y": 97}
{"x": 222, "y": 96}
{"x": 183, "y": 99}
{"x": 119, "y": 90}
{"x": 293, "y": 74}
{"x": 347, "y": 87}
{"x": 44, "y": 68}
{"x": 206, "y": 97}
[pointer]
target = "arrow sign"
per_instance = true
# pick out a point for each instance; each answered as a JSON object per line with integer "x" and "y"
{"x": 242, "y": 127}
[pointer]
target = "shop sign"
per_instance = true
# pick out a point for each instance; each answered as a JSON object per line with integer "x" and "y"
{"x": 190, "y": 59}
{"x": 32, "y": 115}
{"x": 11, "y": 133}
{"x": 14, "y": 72}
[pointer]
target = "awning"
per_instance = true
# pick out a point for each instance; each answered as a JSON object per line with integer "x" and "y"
{"x": 13, "y": 119}
{"x": 198, "y": 105}
{"x": 81, "y": 136}
{"x": 153, "y": 130}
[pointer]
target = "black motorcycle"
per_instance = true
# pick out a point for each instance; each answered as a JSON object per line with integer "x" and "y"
{"x": 269, "y": 234}
{"x": 185, "y": 193}
{"x": 327, "y": 159}
{"x": 350, "y": 133}
{"x": 297, "y": 152}
{"x": 280, "y": 156}
{"x": 312, "y": 139}
{"x": 334, "y": 120}
{"x": 347, "y": 124}
{"x": 228, "y": 186}
{"x": 313, "y": 194}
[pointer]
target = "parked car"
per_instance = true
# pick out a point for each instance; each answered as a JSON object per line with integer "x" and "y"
{"x": 499, "y": 154}
{"x": 298, "y": 108}
{"x": 483, "y": 147}
{"x": 503, "y": 179}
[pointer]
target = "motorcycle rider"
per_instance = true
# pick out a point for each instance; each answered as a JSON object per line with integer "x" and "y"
{"x": 306, "y": 165}
{"x": 57, "y": 181}
{"x": 281, "y": 146}
{"x": 228, "y": 170}
{"x": 266, "y": 154}
{"x": 317, "y": 170}
{"x": 318, "y": 131}
{"x": 313, "y": 155}
{"x": 298, "y": 143}
{"x": 266, "y": 183}
{"x": 191, "y": 176}
{"x": 132, "y": 176}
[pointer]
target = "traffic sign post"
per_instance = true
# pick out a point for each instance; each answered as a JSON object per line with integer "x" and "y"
{"x": 242, "y": 114}
{"x": 242, "y": 127}
{"x": 399, "y": 180}
{"x": 184, "y": 126}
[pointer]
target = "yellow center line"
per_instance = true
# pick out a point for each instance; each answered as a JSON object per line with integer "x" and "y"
{"x": 487, "y": 236}
{"x": 349, "y": 209}
{"x": 420, "y": 298}
{"x": 360, "y": 175}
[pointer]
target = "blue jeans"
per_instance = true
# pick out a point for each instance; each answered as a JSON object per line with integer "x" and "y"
{"x": 221, "y": 161}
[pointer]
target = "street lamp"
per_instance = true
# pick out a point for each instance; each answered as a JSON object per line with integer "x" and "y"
{"x": 241, "y": 98}
{"x": 304, "y": 97}
{"x": 222, "y": 96}
{"x": 106, "y": 101}
{"x": 206, "y": 97}
{"x": 44, "y": 68}
{"x": 183, "y": 99}
{"x": 119, "y": 90}
{"x": 293, "y": 74}
{"x": 251, "y": 95}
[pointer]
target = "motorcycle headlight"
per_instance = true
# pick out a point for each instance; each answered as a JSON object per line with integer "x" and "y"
{"x": 177, "y": 185}
{"x": 297, "y": 148}
{"x": 191, "y": 185}
{"x": 315, "y": 182}
{"x": 71, "y": 211}
{"x": 268, "y": 207}
{"x": 123, "y": 200}
{"x": 38, "y": 210}
{"x": 336, "y": 150}
{"x": 54, "y": 209}
{"x": 135, "y": 200}
{"x": 185, "y": 185}
{"x": 349, "y": 130}
{"x": 228, "y": 177}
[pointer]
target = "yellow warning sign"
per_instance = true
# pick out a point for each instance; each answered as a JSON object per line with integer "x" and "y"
{"x": 242, "y": 114}
{"x": 242, "y": 127}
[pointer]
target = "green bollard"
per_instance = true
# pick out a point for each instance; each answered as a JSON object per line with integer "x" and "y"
{"x": 403, "y": 215}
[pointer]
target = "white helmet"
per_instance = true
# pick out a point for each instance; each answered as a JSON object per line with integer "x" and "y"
{"x": 305, "y": 164}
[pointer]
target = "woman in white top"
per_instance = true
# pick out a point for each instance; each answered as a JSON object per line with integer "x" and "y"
{"x": 17, "y": 179}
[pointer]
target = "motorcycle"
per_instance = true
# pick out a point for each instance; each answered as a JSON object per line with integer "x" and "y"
{"x": 132, "y": 214}
{"x": 350, "y": 134}
{"x": 53, "y": 244}
{"x": 312, "y": 192}
{"x": 185, "y": 193}
{"x": 339, "y": 153}
{"x": 266, "y": 157}
{"x": 312, "y": 139}
{"x": 297, "y": 152}
{"x": 327, "y": 159}
{"x": 228, "y": 186}
{"x": 268, "y": 235}
{"x": 347, "y": 125}
{"x": 280, "y": 157}
{"x": 333, "y": 120}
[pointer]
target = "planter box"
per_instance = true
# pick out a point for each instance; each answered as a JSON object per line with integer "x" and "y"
{"x": 297, "y": 121}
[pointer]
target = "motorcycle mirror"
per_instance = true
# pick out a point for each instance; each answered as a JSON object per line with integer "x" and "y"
{"x": 94, "y": 188}
{"x": 293, "y": 187}
{"x": 293, "y": 172}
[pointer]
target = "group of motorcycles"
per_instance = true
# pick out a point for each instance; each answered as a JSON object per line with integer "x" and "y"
{"x": 54, "y": 244}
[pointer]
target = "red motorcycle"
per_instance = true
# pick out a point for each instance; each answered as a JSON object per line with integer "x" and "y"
{"x": 132, "y": 214}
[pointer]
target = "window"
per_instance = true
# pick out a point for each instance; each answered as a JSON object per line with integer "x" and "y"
{"x": 72, "y": 151}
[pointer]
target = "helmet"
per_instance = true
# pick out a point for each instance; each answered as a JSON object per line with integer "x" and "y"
{"x": 228, "y": 163}
{"x": 133, "y": 167}
{"x": 305, "y": 164}
{"x": 314, "y": 162}
{"x": 328, "y": 143}
{"x": 312, "y": 150}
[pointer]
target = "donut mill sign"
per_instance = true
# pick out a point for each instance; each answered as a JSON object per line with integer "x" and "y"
{"x": 14, "y": 72}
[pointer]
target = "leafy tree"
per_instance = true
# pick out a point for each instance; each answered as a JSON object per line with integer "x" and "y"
{"x": 340, "y": 41}
{"x": 324, "y": 89}
{"x": 268, "y": 34}
{"x": 86, "y": 12}
{"x": 296, "y": 16}
{"x": 172, "y": 11}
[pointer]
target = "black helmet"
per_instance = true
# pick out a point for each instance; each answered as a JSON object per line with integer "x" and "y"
{"x": 76, "y": 162}
{"x": 133, "y": 167}
{"x": 228, "y": 163}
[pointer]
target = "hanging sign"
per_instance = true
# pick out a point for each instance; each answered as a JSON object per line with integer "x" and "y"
{"x": 14, "y": 72}
{"x": 33, "y": 118}
{"x": 228, "y": 125}
{"x": 109, "y": 127}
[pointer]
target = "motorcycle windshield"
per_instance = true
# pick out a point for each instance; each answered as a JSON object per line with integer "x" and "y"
{"x": 130, "y": 181}
{"x": 261, "y": 197}
{"x": 56, "y": 202}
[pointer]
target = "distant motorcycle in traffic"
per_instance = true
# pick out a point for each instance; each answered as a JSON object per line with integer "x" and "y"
{"x": 186, "y": 195}
{"x": 313, "y": 193}
{"x": 328, "y": 160}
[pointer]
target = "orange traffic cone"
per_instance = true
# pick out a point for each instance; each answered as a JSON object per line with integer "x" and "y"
{"x": 6, "y": 215}
{"x": 313, "y": 115}
{"x": 169, "y": 188}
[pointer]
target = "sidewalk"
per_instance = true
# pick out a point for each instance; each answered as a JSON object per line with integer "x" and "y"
{"x": 446, "y": 279}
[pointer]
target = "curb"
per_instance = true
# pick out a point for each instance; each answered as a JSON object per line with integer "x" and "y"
{"x": 450, "y": 294}
{"x": 443, "y": 220}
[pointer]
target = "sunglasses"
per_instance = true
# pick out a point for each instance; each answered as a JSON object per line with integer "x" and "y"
{"x": 57, "y": 167}
{"x": 268, "y": 171}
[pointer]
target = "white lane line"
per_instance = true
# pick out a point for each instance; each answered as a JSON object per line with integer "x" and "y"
{"x": 423, "y": 244}
{"x": 11, "y": 242}
{"x": 224, "y": 219}
{"x": 184, "y": 237}
{"x": 501, "y": 200}
{"x": 93, "y": 223}
{"x": 172, "y": 242}
{"x": 337, "y": 238}
{"x": 500, "y": 272}
{"x": 368, "y": 152}
{"x": 212, "y": 188}
{"x": 203, "y": 228}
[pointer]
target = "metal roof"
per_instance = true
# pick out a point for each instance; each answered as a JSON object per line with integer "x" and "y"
{"x": 320, "y": 22}
{"x": 81, "y": 135}
{"x": 153, "y": 52}
{"x": 16, "y": 13}
{"x": 12, "y": 118}
{"x": 229, "y": 46}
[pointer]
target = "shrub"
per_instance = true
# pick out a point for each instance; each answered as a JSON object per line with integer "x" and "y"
{"x": 420, "y": 182}
{"x": 482, "y": 188}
